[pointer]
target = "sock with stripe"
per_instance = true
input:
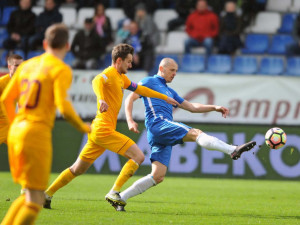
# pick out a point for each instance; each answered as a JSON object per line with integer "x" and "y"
{"x": 138, "y": 187}
{"x": 63, "y": 179}
{"x": 213, "y": 143}
{"x": 13, "y": 210}
{"x": 27, "y": 213}
{"x": 127, "y": 171}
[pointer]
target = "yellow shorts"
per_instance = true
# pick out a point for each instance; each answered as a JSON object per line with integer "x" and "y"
{"x": 3, "y": 134}
{"x": 30, "y": 154}
{"x": 98, "y": 141}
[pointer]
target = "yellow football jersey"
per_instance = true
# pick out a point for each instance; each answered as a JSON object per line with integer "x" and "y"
{"x": 3, "y": 83}
{"x": 40, "y": 84}
{"x": 109, "y": 86}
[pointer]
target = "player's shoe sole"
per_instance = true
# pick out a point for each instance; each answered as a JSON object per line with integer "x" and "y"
{"x": 47, "y": 204}
{"x": 119, "y": 208}
{"x": 242, "y": 148}
{"x": 115, "y": 199}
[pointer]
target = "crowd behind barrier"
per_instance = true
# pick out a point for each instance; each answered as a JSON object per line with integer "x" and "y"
{"x": 262, "y": 38}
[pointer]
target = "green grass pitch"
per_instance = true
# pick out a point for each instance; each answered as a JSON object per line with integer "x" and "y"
{"x": 175, "y": 201}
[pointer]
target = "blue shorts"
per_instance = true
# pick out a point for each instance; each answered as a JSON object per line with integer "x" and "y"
{"x": 162, "y": 135}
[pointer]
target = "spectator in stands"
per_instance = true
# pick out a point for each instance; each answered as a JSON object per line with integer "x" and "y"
{"x": 146, "y": 24}
{"x": 294, "y": 48}
{"x": 87, "y": 47}
{"x": 123, "y": 32}
{"x": 129, "y": 7}
{"x": 183, "y": 9}
{"x": 143, "y": 57}
{"x": 50, "y": 16}
{"x": 230, "y": 29}
{"x": 103, "y": 25}
{"x": 20, "y": 27}
{"x": 202, "y": 26}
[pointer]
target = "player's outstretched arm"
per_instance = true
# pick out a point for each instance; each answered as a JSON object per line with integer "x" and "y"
{"x": 200, "y": 108}
{"x": 147, "y": 92}
{"x": 132, "y": 125}
{"x": 61, "y": 85}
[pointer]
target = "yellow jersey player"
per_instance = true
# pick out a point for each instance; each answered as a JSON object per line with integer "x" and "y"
{"x": 39, "y": 86}
{"x": 13, "y": 61}
{"x": 109, "y": 87}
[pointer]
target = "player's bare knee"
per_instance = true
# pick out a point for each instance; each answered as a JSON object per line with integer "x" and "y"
{"x": 139, "y": 158}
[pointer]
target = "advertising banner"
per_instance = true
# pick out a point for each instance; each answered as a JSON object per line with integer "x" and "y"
{"x": 251, "y": 99}
{"x": 188, "y": 159}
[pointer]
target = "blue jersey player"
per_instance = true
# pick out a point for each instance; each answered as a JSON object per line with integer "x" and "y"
{"x": 163, "y": 132}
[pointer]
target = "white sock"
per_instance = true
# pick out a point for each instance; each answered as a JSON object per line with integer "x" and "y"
{"x": 213, "y": 143}
{"x": 138, "y": 187}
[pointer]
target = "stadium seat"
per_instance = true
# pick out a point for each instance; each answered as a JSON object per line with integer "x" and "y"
{"x": 32, "y": 54}
{"x": 6, "y": 14}
{"x": 161, "y": 18}
{"x": 3, "y": 35}
{"x": 69, "y": 58}
{"x": 192, "y": 63}
{"x": 266, "y": 23}
{"x": 115, "y": 16}
{"x": 174, "y": 43}
{"x": 287, "y": 24}
{"x": 295, "y": 7}
{"x": 278, "y": 5}
{"x": 219, "y": 64}
{"x": 245, "y": 65}
{"x": 293, "y": 66}
{"x": 271, "y": 66}
{"x": 279, "y": 43}
{"x": 37, "y": 10}
{"x": 69, "y": 16}
{"x": 256, "y": 44}
{"x": 83, "y": 13}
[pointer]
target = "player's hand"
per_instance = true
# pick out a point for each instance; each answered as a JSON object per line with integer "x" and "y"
{"x": 133, "y": 126}
{"x": 103, "y": 106}
{"x": 222, "y": 110}
{"x": 172, "y": 101}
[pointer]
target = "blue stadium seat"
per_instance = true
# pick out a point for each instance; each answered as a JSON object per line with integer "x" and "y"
{"x": 69, "y": 58}
{"x": 219, "y": 64}
{"x": 192, "y": 63}
{"x": 3, "y": 35}
{"x": 32, "y": 54}
{"x": 245, "y": 65}
{"x": 293, "y": 66}
{"x": 6, "y": 14}
{"x": 271, "y": 66}
{"x": 279, "y": 43}
{"x": 287, "y": 24}
{"x": 159, "y": 57}
{"x": 256, "y": 44}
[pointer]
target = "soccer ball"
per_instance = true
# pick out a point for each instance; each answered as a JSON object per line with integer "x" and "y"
{"x": 275, "y": 138}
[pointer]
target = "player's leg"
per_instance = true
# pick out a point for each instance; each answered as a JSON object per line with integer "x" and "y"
{"x": 157, "y": 175}
{"x": 136, "y": 157}
{"x": 213, "y": 143}
{"x": 88, "y": 155}
{"x": 28, "y": 213}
